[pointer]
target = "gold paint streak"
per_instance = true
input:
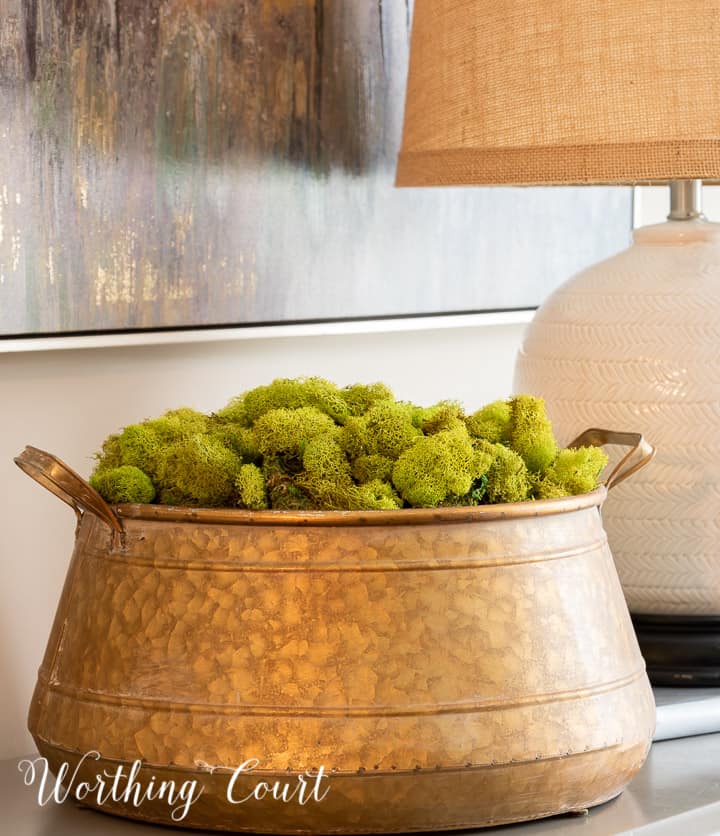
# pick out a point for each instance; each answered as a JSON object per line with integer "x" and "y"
{"x": 237, "y": 284}
{"x": 183, "y": 224}
{"x": 150, "y": 281}
{"x": 185, "y": 289}
{"x": 100, "y": 282}
{"x": 95, "y": 100}
{"x": 51, "y": 265}
{"x": 81, "y": 187}
{"x": 3, "y": 202}
{"x": 115, "y": 282}
{"x": 15, "y": 250}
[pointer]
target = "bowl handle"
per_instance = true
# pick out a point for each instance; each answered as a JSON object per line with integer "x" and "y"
{"x": 641, "y": 453}
{"x": 67, "y": 485}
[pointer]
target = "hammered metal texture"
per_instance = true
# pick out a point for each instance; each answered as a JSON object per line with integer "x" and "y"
{"x": 463, "y": 669}
{"x": 633, "y": 342}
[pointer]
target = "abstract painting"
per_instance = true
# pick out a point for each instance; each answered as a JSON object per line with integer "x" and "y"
{"x": 194, "y": 163}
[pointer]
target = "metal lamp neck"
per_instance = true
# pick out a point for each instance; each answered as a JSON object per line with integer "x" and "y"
{"x": 685, "y": 200}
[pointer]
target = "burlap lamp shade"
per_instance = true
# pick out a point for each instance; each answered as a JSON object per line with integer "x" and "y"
{"x": 555, "y": 92}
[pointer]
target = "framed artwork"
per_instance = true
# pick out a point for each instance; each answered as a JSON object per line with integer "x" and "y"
{"x": 174, "y": 164}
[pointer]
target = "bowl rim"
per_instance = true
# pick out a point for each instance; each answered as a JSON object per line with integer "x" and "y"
{"x": 401, "y": 516}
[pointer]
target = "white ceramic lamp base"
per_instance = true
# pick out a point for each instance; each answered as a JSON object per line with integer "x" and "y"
{"x": 634, "y": 343}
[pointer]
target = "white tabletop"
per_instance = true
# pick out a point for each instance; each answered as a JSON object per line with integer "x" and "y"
{"x": 677, "y": 793}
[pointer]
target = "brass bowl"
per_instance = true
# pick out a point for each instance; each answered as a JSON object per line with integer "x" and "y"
{"x": 441, "y": 668}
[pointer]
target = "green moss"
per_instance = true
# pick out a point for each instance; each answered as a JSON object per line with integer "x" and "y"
{"x": 438, "y": 466}
{"x": 123, "y": 484}
{"x": 287, "y": 431}
{"x": 239, "y": 439}
{"x": 143, "y": 445}
{"x": 491, "y": 423}
{"x": 327, "y": 480}
{"x": 140, "y": 446}
{"x": 250, "y": 487}
{"x": 353, "y": 438}
{"x": 543, "y": 488}
{"x": 531, "y": 433}
{"x": 377, "y": 495}
{"x": 305, "y": 444}
{"x": 508, "y": 476}
{"x": 484, "y": 455}
{"x": 181, "y": 422}
{"x": 446, "y": 415}
{"x": 110, "y": 455}
{"x": 372, "y": 468}
{"x": 234, "y": 413}
{"x": 574, "y": 471}
{"x": 362, "y": 396}
{"x": 197, "y": 471}
{"x": 385, "y": 430}
{"x": 294, "y": 393}
{"x": 389, "y": 429}
{"x": 326, "y": 474}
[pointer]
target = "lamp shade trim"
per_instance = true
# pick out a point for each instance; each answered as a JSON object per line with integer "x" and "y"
{"x": 562, "y": 165}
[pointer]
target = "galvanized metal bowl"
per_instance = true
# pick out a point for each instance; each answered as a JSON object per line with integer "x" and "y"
{"x": 440, "y": 668}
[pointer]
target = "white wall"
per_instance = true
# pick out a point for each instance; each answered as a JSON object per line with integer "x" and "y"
{"x": 68, "y": 401}
{"x": 652, "y": 204}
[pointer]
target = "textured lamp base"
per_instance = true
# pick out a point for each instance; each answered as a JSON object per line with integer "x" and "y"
{"x": 680, "y": 649}
{"x": 633, "y": 343}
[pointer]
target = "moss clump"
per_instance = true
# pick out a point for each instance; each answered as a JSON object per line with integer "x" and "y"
{"x": 353, "y": 438}
{"x": 491, "y": 423}
{"x": 326, "y": 476}
{"x": 250, "y": 487}
{"x": 180, "y": 422}
{"x": 110, "y": 454}
{"x": 386, "y": 429}
{"x": 446, "y": 415}
{"x": 389, "y": 428}
{"x": 234, "y": 413}
{"x": 377, "y": 495}
{"x": 287, "y": 393}
{"x": 372, "y": 468}
{"x": 288, "y": 430}
{"x": 438, "y": 466}
{"x": 574, "y": 471}
{"x": 143, "y": 445}
{"x": 531, "y": 433}
{"x": 305, "y": 444}
{"x": 362, "y": 396}
{"x": 123, "y": 484}
{"x": 241, "y": 440}
{"x": 508, "y": 476}
{"x": 197, "y": 471}
{"x": 542, "y": 488}
{"x": 139, "y": 445}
